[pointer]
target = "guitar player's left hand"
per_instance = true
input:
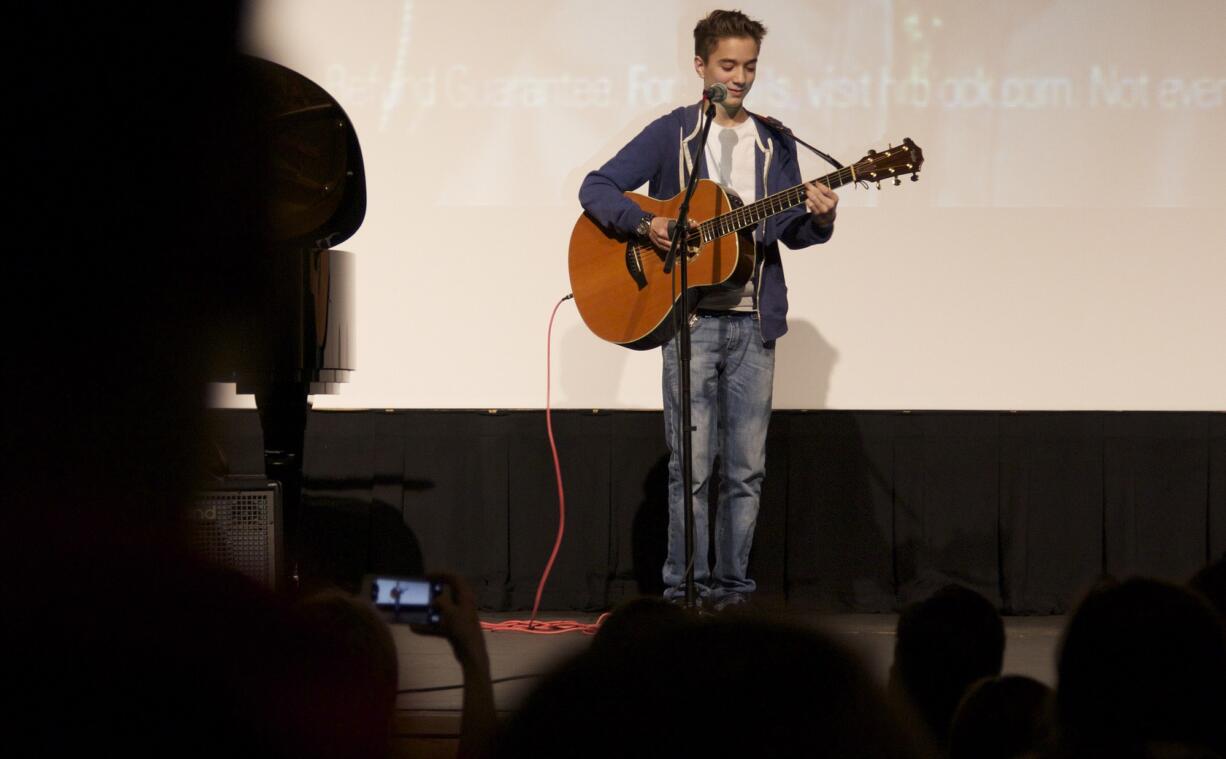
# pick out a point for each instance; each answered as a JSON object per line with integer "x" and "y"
{"x": 822, "y": 202}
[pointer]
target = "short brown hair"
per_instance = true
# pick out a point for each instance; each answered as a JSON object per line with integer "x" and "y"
{"x": 721, "y": 24}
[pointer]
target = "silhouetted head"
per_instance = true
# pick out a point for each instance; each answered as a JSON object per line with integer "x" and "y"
{"x": 1001, "y": 718}
{"x": 135, "y": 245}
{"x": 1210, "y": 582}
{"x": 630, "y": 623}
{"x": 726, "y": 687}
{"x": 133, "y": 231}
{"x": 944, "y": 644}
{"x": 1142, "y": 662}
{"x": 350, "y": 672}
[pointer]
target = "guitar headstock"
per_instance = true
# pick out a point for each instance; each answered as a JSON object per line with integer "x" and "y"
{"x": 895, "y": 161}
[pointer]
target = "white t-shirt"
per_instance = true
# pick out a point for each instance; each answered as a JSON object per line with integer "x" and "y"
{"x": 731, "y": 162}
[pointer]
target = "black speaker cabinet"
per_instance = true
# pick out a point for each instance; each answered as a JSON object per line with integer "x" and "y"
{"x": 237, "y": 523}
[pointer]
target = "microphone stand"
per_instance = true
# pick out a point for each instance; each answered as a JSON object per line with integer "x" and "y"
{"x": 677, "y": 253}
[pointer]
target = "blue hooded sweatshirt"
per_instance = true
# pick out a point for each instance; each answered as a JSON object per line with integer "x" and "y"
{"x": 663, "y": 155}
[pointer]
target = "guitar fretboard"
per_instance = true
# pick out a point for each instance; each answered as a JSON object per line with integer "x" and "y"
{"x": 748, "y": 216}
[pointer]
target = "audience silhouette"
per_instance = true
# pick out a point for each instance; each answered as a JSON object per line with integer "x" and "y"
{"x": 944, "y": 644}
{"x": 1142, "y": 664}
{"x": 731, "y": 686}
{"x": 1001, "y": 718}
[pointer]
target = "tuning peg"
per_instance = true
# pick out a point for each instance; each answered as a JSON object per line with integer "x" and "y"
{"x": 878, "y": 185}
{"x": 915, "y": 177}
{"x": 897, "y": 181}
{"x": 872, "y": 152}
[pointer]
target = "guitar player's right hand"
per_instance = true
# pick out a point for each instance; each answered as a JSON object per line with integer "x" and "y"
{"x": 659, "y": 231}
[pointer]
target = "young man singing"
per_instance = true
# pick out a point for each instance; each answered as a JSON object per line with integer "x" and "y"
{"x": 733, "y": 340}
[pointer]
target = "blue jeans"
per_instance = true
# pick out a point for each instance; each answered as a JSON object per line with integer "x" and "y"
{"x": 731, "y": 378}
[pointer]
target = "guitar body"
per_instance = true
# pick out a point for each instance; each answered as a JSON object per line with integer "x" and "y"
{"x": 620, "y": 287}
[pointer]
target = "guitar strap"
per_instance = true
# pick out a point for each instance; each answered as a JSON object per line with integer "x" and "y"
{"x": 778, "y": 126}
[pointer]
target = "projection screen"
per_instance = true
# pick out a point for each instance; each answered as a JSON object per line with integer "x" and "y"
{"x": 1062, "y": 250}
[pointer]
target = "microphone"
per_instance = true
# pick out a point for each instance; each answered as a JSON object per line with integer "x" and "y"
{"x": 716, "y": 93}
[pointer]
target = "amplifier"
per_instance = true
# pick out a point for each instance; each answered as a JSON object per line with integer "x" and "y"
{"x": 236, "y": 523}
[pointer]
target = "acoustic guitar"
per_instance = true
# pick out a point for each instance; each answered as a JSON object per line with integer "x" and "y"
{"x": 620, "y": 286}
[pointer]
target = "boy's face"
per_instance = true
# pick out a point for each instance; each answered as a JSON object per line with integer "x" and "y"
{"x": 732, "y": 63}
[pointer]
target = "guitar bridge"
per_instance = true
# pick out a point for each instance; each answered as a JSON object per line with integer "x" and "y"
{"x": 634, "y": 265}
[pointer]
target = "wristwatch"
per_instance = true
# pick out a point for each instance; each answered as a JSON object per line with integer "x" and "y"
{"x": 643, "y": 230}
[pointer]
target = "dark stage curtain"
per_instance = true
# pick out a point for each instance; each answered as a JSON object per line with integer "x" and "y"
{"x": 861, "y": 511}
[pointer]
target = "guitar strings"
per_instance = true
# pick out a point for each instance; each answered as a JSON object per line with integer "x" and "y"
{"x": 751, "y": 214}
{"x": 747, "y": 216}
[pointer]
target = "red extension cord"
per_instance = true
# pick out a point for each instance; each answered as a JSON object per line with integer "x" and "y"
{"x": 554, "y": 627}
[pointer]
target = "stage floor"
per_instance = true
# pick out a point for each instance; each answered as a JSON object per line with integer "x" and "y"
{"x": 425, "y": 718}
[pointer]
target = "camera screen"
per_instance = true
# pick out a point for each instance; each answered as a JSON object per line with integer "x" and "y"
{"x": 391, "y": 592}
